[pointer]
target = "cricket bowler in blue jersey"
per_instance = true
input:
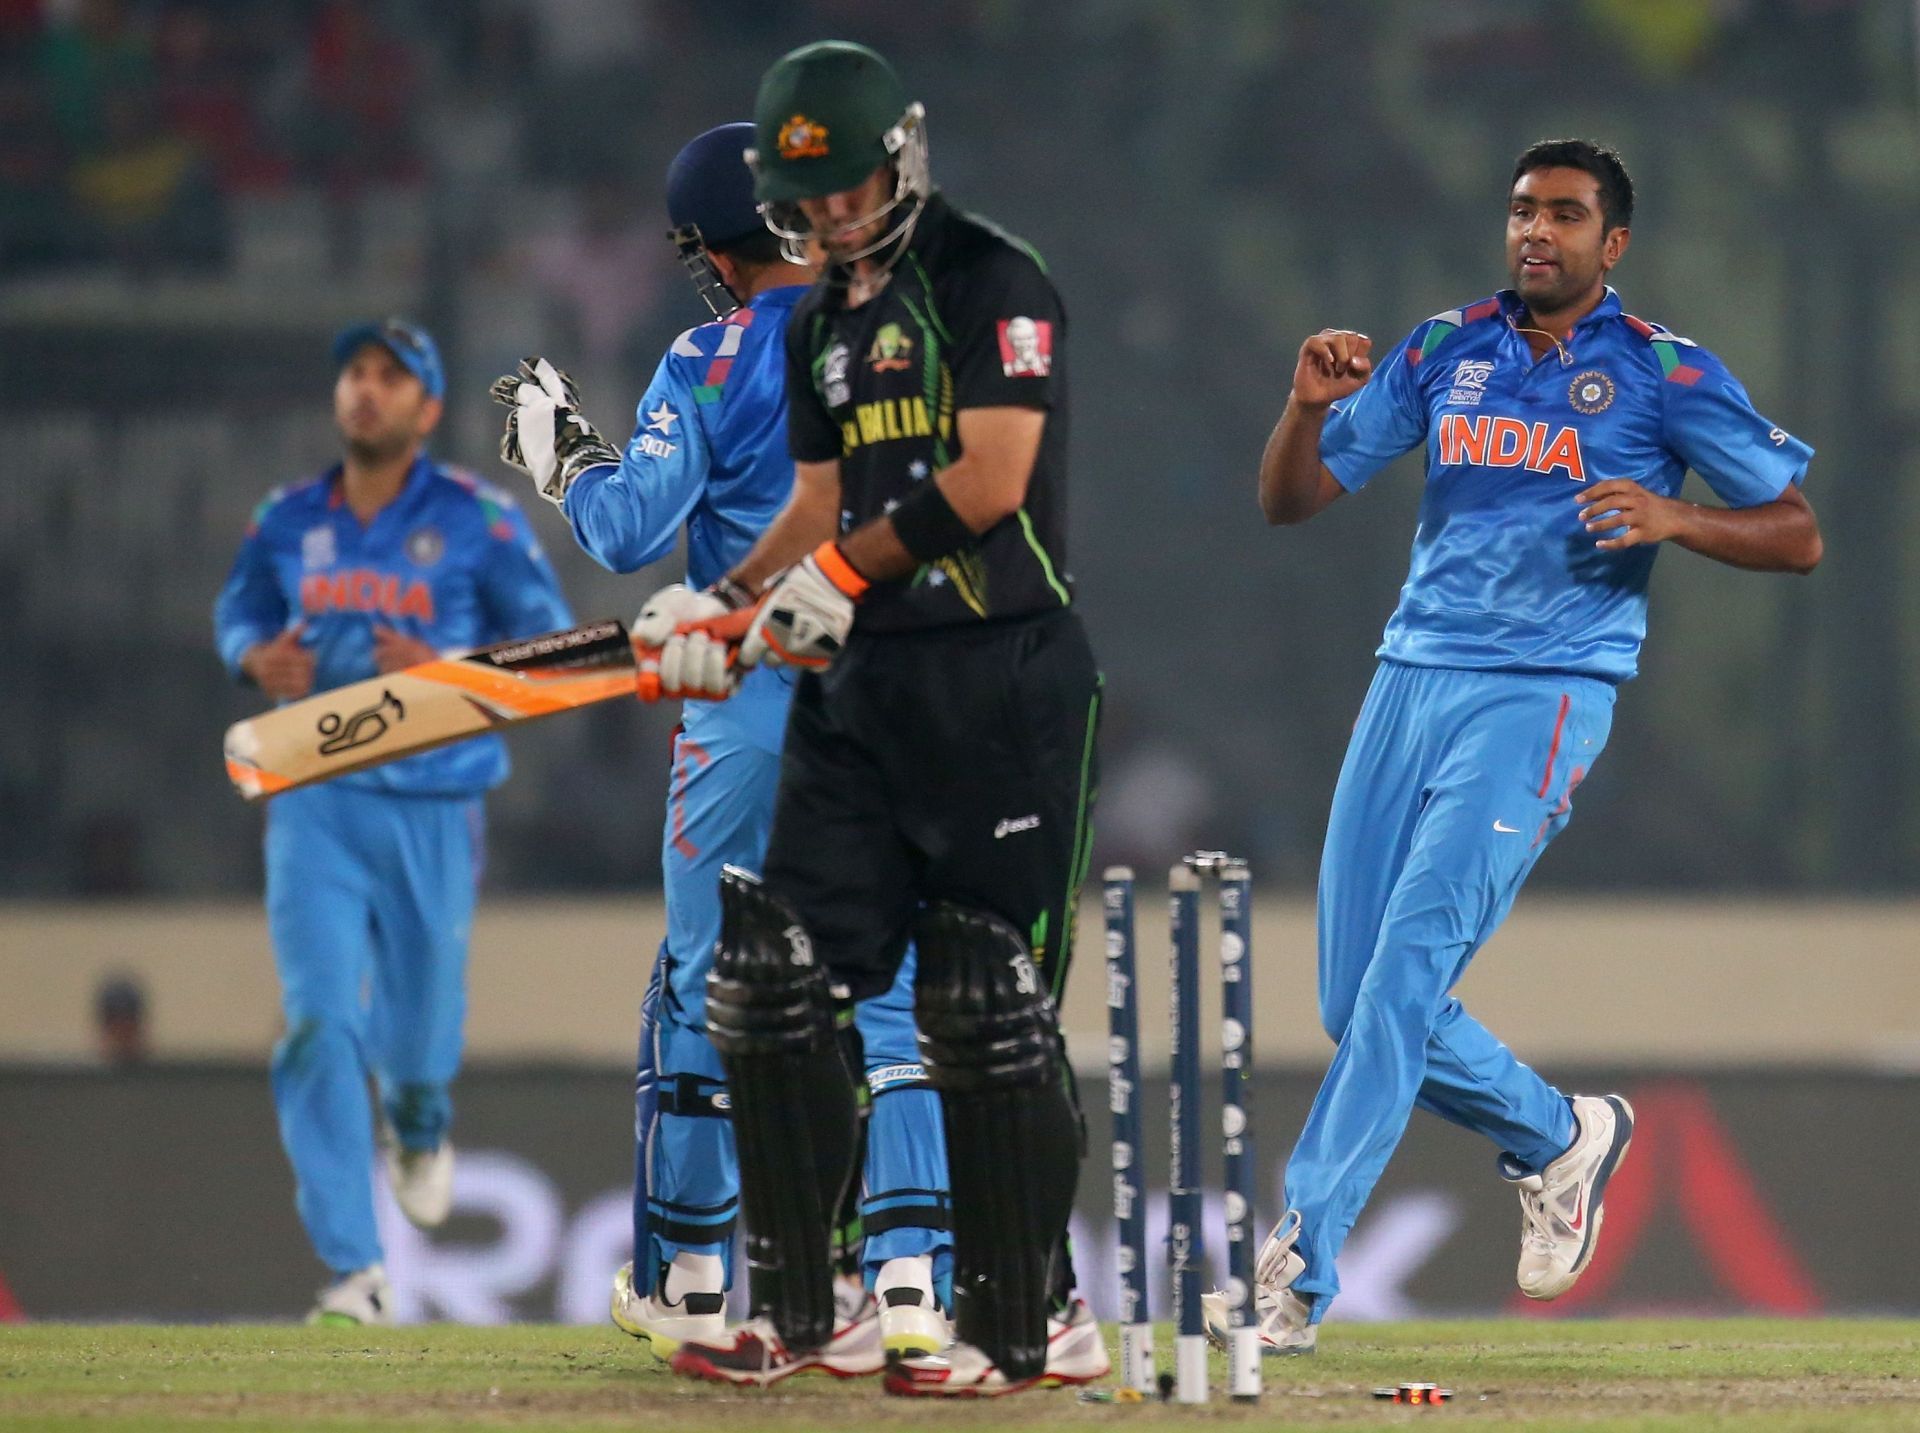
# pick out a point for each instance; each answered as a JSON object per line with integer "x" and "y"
{"x": 709, "y": 455}
{"x": 384, "y": 560}
{"x": 1557, "y": 430}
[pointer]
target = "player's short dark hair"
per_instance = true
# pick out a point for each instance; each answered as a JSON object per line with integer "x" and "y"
{"x": 758, "y": 249}
{"x": 1616, "y": 189}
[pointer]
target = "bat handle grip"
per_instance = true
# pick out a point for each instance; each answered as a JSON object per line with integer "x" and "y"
{"x": 647, "y": 674}
{"x": 731, "y": 629}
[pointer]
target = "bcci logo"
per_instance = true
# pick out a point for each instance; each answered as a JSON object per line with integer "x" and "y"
{"x": 425, "y": 546}
{"x": 802, "y": 138}
{"x": 1590, "y": 392}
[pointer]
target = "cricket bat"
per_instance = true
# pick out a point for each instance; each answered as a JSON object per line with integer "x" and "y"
{"x": 435, "y": 703}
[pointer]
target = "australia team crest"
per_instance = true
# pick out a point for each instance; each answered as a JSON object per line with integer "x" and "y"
{"x": 803, "y": 138}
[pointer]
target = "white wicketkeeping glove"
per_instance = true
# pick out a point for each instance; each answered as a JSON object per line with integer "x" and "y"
{"x": 547, "y": 436}
{"x": 804, "y": 619}
{"x": 683, "y": 664}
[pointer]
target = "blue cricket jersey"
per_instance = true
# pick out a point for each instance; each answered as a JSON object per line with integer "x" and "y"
{"x": 708, "y": 452}
{"x": 1504, "y": 574}
{"x": 451, "y": 561}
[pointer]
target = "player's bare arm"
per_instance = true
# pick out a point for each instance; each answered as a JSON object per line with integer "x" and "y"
{"x": 1780, "y": 536}
{"x": 986, "y": 484}
{"x": 806, "y": 616}
{"x": 1294, "y": 483}
{"x": 811, "y": 517}
{"x": 281, "y": 668}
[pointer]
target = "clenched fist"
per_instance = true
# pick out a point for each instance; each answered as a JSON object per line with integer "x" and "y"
{"x": 1333, "y": 364}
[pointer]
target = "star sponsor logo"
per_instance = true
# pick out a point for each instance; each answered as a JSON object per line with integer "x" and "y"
{"x": 662, "y": 419}
{"x": 1026, "y": 346}
{"x": 425, "y": 546}
{"x": 892, "y": 350}
{"x": 1590, "y": 392}
{"x": 918, "y": 469}
{"x": 1470, "y": 377}
{"x": 802, "y": 138}
{"x": 1777, "y": 437}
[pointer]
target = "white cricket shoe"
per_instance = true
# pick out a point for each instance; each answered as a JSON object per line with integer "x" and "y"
{"x": 421, "y": 1180}
{"x": 911, "y": 1323}
{"x": 1076, "y": 1353}
{"x": 362, "y": 1297}
{"x": 752, "y": 1354}
{"x": 1280, "y": 1315}
{"x": 1560, "y": 1206}
{"x": 690, "y": 1307}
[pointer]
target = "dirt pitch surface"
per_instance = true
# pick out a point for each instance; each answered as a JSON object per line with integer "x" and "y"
{"x": 1682, "y": 1374}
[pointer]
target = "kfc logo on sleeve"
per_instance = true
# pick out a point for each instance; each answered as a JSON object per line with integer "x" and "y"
{"x": 1026, "y": 347}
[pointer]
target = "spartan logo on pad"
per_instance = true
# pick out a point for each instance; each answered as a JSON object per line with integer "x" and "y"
{"x": 1026, "y": 347}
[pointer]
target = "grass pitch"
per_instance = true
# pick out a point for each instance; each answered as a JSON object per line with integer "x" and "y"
{"x": 1667, "y": 1374}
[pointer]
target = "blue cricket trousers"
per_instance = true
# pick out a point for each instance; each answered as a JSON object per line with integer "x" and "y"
{"x": 370, "y": 900}
{"x": 686, "y": 1171}
{"x": 1454, "y": 782}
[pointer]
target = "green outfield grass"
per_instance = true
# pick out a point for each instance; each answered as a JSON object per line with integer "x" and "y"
{"x": 1666, "y": 1374}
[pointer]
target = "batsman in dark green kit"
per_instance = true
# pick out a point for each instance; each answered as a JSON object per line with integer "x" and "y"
{"x": 939, "y": 766}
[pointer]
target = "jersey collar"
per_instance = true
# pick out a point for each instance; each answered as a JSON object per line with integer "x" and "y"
{"x": 933, "y": 219}
{"x": 784, "y": 296}
{"x": 417, "y": 476}
{"x": 1511, "y": 307}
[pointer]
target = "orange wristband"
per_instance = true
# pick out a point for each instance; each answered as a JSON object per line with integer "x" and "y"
{"x": 836, "y": 569}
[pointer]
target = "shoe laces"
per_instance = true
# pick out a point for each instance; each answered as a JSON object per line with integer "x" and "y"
{"x": 1546, "y": 1221}
{"x": 1537, "y": 1234}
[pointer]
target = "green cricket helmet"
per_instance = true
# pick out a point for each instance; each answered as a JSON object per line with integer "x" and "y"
{"x": 827, "y": 116}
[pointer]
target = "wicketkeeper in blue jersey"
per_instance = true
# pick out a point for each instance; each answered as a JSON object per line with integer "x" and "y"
{"x": 709, "y": 455}
{"x": 1557, "y": 431}
{"x": 384, "y": 560}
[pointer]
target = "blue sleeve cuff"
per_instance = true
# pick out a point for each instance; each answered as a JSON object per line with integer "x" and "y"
{"x": 234, "y": 645}
{"x": 1342, "y": 468}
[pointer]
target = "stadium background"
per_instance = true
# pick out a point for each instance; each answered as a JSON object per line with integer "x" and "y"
{"x": 194, "y": 194}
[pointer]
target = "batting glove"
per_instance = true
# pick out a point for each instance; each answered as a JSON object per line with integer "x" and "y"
{"x": 547, "y": 436}
{"x": 804, "y": 619}
{"x": 677, "y": 662}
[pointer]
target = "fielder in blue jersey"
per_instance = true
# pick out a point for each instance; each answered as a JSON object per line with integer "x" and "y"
{"x": 384, "y": 560}
{"x": 709, "y": 455}
{"x": 1557, "y": 430}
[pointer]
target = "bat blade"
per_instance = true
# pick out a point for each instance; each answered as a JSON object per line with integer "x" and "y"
{"x": 382, "y": 719}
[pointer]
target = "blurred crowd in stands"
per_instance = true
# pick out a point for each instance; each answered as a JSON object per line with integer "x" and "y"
{"x": 1209, "y": 179}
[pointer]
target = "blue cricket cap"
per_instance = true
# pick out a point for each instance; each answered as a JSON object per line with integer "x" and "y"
{"x": 409, "y": 343}
{"x": 709, "y": 185}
